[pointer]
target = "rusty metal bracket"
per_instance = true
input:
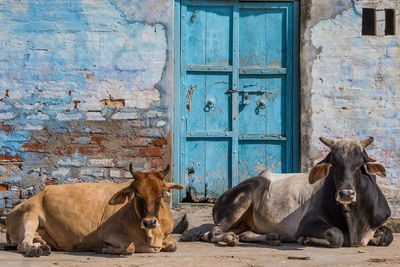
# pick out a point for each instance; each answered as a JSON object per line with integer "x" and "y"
{"x": 230, "y": 91}
{"x": 193, "y": 17}
{"x": 189, "y": 98}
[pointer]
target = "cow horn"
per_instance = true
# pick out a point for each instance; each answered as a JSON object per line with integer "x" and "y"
{"x": 326, "y": 141}
{"x": 132, "y": 170}
{"x": 367, "y": 142}
{"x": 165, "y": 171}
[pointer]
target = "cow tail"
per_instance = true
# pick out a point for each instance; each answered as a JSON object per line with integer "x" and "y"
{"x": 8, "y": 238}
{"x": 9, "y": 247}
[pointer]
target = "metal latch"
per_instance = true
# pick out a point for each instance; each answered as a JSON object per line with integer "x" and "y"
{"x": 246, "y": 100}
{"x": 261, "y": 103}
{"x": 209, "y": 104}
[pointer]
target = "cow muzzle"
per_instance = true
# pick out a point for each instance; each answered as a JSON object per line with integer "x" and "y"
{"x": 346, "y": 196}
{"x": 150, "y": 223}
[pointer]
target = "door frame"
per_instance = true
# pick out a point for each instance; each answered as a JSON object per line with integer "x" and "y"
{"x": 178, "y": 100}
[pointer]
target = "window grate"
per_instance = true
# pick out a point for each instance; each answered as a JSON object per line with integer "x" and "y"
{"x": 389, "y": 22}
{"x": 368, "y": 21}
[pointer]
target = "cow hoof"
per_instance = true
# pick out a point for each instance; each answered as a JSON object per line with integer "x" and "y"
{"x": 130, "y": 249}
{"x": 169, "y": 248}
{"x": 302, "y": 240}
{"x": 272, "y": 236}
{"x": 127, "y": 252}
{"x": 46, "y": 250}
{"x": 34, "y": 252}
{"x": 272, "y": 239}
{"x": 232, "y": 239}
{"x": 99, "y": 249}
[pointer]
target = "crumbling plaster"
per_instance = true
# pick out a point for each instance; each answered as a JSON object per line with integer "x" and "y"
{"x": 350, "y": 84}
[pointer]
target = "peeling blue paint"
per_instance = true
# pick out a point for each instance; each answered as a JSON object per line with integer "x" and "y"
{"x": 58, "y": 61}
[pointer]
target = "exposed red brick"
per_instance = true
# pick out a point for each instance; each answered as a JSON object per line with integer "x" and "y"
{"x": 7, "y": 158}
{"x": 23, "y": 194}
{"x": 33, "y": 147}
{"x": 84, "y": 140}
{"x": 113, "y": 103}
{"x": 138, "y": 123}
{"x": 150, "y": 132}
{"x": 52, "y": 181}
{"x": 137, "y": 141}
{"x": 65, "y": 150}
{"x": 91, "y": 150}
{"x": 3, "y": 187}
{"x": 160, "y": 142}
{"x": 96, "y": 140}
{"x": 131, "y": 153}
{"x": 6, "y": 127}
{"x": 157, "y": 163}
{"x": 90, "y": 77}
{"x": 151, "y": 152}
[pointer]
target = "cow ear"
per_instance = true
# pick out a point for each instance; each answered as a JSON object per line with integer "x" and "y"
{"x": 173, "y": 186}
{"x": 318, "y": 172}
{"x": 375, "y": 168}
{"x": 121, "y": 196}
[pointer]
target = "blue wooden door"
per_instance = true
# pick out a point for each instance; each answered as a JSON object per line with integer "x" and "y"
{"x": 237, "y": 94}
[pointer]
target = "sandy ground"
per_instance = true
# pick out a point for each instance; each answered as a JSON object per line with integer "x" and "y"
{"x": 207, "y": 254}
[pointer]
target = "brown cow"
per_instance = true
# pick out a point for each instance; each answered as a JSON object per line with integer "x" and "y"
{"x": 101, "y": 217}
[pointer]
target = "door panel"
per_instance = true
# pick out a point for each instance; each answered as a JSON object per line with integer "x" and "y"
{"x": 262, "y": 45}
{"x": 256, "y": 156}
{"x": 236, "y": 106}
{"x": 209, "y": 35}
{"x": 204, "y": 88}
{"x": 265, "y": 112}
{"x": 207, "y": 169}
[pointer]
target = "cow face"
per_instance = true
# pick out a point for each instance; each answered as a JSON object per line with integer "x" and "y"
{"x": 346, "y": 162}
{"x": 147, "y": 190}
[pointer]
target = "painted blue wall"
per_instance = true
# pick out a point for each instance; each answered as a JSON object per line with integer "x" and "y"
{"x": 81, "y": 91}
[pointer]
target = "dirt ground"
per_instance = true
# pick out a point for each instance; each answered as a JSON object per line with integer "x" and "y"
{"x": 207, "y": 254}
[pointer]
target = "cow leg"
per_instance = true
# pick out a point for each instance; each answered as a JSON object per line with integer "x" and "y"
{"x": 116, "y": 244}
{"x": 45, "y": 239}
{"x": 230, "y": 212}
{"x": 327, "y": 236}
{"x": 28, "y": 232}
{"x": 382, "y": 237}
{"x": 169, "y": 244}
{"x": 220, "y": 235}
{"x": 271, "y": 239}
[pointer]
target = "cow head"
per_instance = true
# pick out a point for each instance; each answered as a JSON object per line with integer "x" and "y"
{"x": 346, "y": 162}
{"x": 147, "y": 191}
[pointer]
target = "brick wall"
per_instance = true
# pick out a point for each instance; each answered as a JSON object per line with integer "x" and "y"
{"x": 80, "y": 94}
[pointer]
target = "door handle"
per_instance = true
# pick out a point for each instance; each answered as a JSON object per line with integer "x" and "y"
{"x": 261, "y": 103}
{"x": 209, "y": 104}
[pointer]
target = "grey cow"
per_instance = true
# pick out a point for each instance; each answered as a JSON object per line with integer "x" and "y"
{"x": 337, "y": 204}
